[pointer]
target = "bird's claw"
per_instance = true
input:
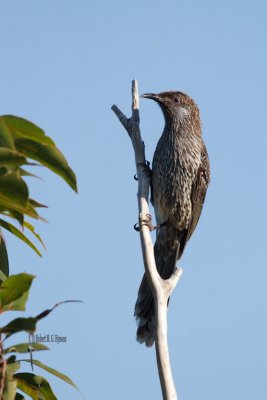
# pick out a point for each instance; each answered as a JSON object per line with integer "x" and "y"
{"x": 143, "y": 164}
{"x": 147, "y": 222}
{"x": 143, "y": 222}
{"x": 146, "y": 166}
{"x": 136, "y": 227}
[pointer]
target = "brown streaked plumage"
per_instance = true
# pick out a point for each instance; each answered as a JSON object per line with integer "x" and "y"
{"x": 180, "y": 177}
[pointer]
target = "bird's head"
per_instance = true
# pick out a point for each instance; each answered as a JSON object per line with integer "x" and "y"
{"x": 176, "y": 106}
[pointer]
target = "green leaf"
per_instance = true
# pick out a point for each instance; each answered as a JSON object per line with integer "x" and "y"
{"x": 14, "y": 292}
{"x": 32, "y": 392}
{"x": 24, "y": 348}
{"x": 18, "y": 212}
{"x": 31, "y": 228}
{"x": 10, "y": 157}
{"x": 36, "y": 204}
{"x": 11, "y": 228}
{"x": 6, "y": 139}
{"x": 19, "y": 325}
{"x": 34, "y": 144}
{"x": 19, "y": 397}
{"x": 12, "y": 366}
{"x": 23, "y": 172}
{"x": 35, "y": 386}
{"x": 31, "y": 212}
{"x": 2, "y": 276}
{"x": 14, "y": 214}
{"x": 49, "y": 156}
{"x": 21, "y": 127}
{"x": 3, "y": 170}
{"x": 4, "y": 265}
{"x": 10, "y": 383}
{"x": 14, "y": 197}
{"x": 18, "y": 305}
{"x": 9, "y": 390}
{"x": 44, "y": 313}
{"x": 14, "y": 192}
{"x": 53, "y": 371}
{"x": 12, "y": 360}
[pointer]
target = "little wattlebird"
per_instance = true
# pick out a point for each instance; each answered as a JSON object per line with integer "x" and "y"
{"x": 180, "y": 177}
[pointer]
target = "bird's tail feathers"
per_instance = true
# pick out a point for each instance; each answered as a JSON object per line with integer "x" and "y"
{"x": 166, "y": 252}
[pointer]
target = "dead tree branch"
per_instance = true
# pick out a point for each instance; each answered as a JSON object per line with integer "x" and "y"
{"x": 161, "y": 288}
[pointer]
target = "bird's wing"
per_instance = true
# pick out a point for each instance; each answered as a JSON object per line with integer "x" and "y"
{"x": 198, "y": 193}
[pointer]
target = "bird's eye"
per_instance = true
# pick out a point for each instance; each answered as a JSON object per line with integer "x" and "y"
{"x": 176, "y": 100}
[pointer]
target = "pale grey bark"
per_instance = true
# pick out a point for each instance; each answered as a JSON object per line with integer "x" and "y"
{"x": 161, "y": 288}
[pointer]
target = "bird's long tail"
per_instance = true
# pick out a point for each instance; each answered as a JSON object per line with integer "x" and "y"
{"x": 166, "y": 252}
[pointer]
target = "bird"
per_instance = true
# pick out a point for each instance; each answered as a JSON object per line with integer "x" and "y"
{"x": 179, "y": 180}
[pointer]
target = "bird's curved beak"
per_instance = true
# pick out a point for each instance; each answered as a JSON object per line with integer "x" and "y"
{"x": 151, "y": 96}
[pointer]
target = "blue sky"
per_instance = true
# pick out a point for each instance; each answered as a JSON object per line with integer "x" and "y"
{"x": 63, "y": 65}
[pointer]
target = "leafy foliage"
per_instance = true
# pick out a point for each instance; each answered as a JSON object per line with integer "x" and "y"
{"x": 13, "y": 296}
{"x": 4, "y": 266}
{"x": 21, "y": 143}
{"x": 24, "y": 348}
{"x": 35, "y": 386}
{"x": 64, "y": 377}
{"x": 14, "y": 292}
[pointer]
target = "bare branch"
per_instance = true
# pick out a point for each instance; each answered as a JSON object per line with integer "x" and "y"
{"x": 123, "y": 119}
{"x": 161, "y": 288}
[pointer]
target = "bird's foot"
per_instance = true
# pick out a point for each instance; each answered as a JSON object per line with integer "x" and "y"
{"x": 144, "y": 221}
{"x": 147, "y": 169}
{"x": 147, "y": 222}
